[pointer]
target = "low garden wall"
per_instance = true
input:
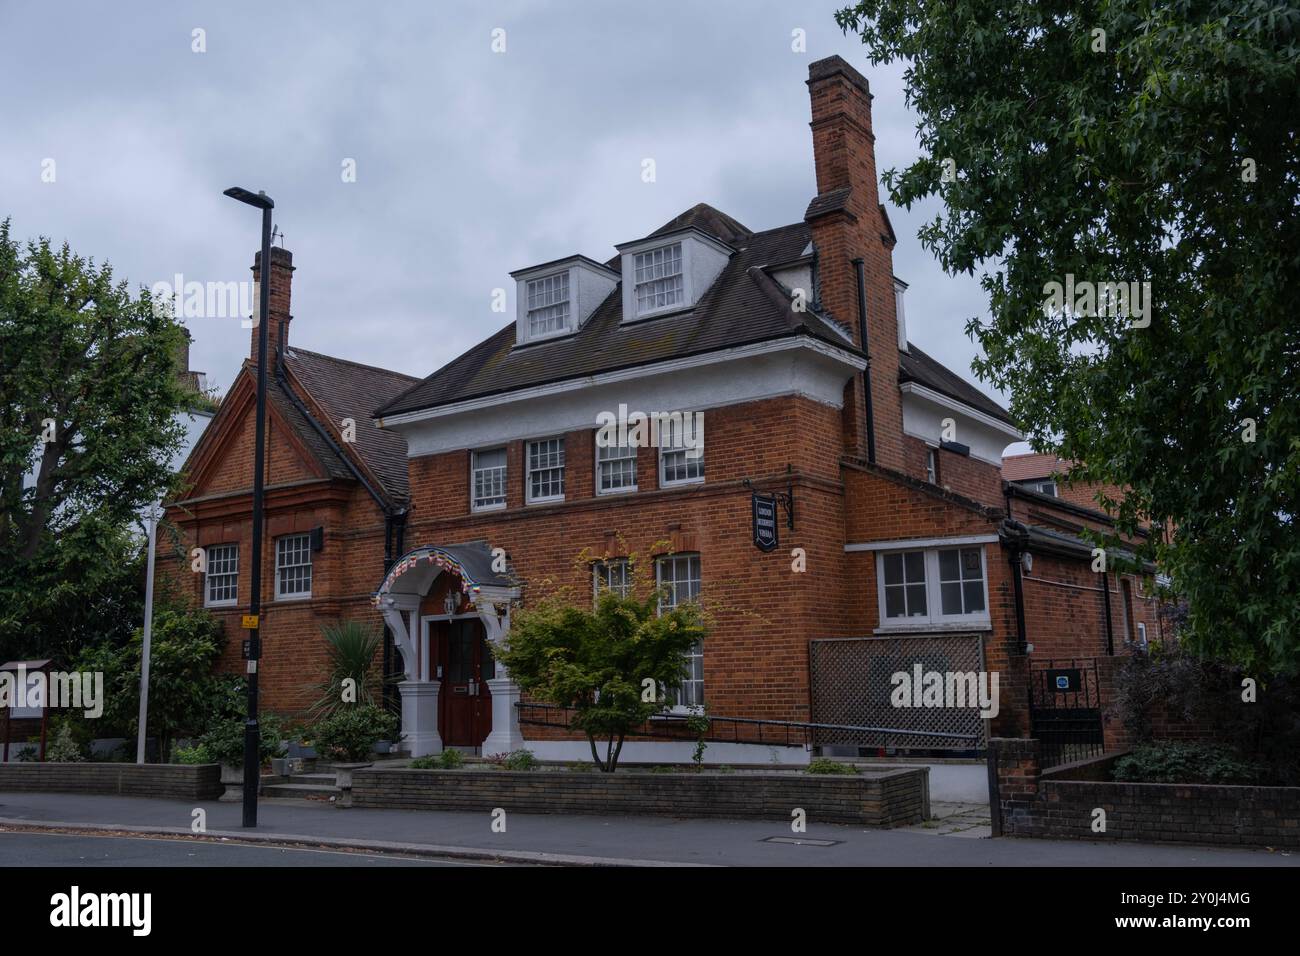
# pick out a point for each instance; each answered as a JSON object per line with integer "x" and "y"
{"x": 1061, "y": 803}
{"x": 881, "y": 799}
{"x": 181, "y": 781}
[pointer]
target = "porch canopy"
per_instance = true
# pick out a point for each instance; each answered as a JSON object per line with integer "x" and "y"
{"x": 490, "y": 593}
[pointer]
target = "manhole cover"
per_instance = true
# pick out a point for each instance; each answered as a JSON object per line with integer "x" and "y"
{"x": 797, "y": 841}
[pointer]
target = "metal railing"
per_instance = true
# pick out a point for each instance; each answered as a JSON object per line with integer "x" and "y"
{"x": 672, "y": 726}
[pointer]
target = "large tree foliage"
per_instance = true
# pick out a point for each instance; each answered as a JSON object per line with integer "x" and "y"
{"x": 615, "y": 666}
{"x": 87, "y": 402}
{"x": 1161, "y": 150}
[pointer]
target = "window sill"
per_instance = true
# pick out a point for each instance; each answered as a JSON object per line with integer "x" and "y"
{"x": 545, "y": 501}
{"x": 479, "y": 509}
{"x": 293, "y": 597}
{"x": 945, "y": 627}
{"x": 682, "y": 481}
{"x": 221, "y": 605}
{"x": 615, "y": 492}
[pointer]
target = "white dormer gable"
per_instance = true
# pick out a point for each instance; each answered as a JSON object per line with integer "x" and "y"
{"x": 556, "y": 298}
{"x": 669, "y": 273}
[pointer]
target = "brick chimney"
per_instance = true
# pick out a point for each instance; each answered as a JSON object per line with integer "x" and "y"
{"x": 848, "y": 223}
{"x": 278, "y": 307}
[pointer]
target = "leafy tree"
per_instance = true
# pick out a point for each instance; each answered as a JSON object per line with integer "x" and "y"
{"x": 1132, "y": 141}
{"x": 87, "y": 401}
{"x": 185, "y": 696}
{"x": 615, "y": 666}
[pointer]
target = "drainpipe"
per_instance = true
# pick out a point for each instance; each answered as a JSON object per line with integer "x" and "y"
{"x": 858, "y": 265}
{"x": 1014, "y": 535}
{"x": 1105, "y": 600}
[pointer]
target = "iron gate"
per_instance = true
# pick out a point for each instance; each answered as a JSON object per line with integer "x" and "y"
{"x": 1065, "y": 710}
{"x": 852, "y": 685}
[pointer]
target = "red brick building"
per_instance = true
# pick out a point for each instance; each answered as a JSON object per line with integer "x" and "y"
{"x": 790, "y": 344}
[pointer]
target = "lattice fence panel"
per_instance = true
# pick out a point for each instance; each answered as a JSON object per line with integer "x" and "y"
{"x": 851, "y": 685}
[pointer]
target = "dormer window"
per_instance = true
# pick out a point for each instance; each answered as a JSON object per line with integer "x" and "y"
{"x": 669, "y": 273}
{"x": 659, "y": 279}
{"x": 556, "y": 298}
{"x": 548, "y": 305}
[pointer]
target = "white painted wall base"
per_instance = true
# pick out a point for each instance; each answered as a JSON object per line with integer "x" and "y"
{"x": 949, "y": 782}
{"x": 666, "y": 752}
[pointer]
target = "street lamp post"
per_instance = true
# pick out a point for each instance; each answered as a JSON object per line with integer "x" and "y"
{"x": 252, "y": 733}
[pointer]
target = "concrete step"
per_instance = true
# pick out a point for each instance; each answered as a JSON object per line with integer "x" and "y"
{"x": 313, "y": 779}
{"x": 300, "y": 790}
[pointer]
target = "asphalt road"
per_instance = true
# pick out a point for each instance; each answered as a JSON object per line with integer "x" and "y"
{"x": 71, "y": 849}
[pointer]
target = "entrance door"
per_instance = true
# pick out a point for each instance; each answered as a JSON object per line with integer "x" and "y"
{"x": 464, "y": 699}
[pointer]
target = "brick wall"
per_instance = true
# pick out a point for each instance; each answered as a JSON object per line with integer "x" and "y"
{"x": 889, "y": 799}
{"x": 1061, "y": 804}
{"x": 844, "y": 156}
{"x": 182, "y": 782}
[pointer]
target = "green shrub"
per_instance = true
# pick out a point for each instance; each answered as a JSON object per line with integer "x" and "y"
{"x": 579, "y": 766}
{"x": 1188, "y": 763}
{"x": 224, "y": 741}
{"x": 823, "y": 765}
{"x": 451, "y": 760}
{"x": 350, "y": 733}
{"x": 522, "y": 760}
{"x": 62, "y": 747}
{"x": 351, "y": 647}
{"x": 196, "y": 754}
{"x": 424, "y": 763}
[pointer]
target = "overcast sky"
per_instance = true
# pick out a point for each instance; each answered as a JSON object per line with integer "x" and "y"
{"x": 469, "y": 163}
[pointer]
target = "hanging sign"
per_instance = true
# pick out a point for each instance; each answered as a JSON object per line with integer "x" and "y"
{"x": 765, "y": 534}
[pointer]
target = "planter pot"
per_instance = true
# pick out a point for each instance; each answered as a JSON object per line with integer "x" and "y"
{"x": 232, "y": 775}
{"x": 383, "y": 746}
{"x": 280, "y": 766}
{"x": 297, "y": 748}
{"x": 343, "y": 774}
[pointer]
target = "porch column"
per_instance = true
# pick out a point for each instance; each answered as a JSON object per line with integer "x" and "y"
{"x": 419, "y": 697}
{"x": 420, "y": 717}
{"x": 494, "y": 611}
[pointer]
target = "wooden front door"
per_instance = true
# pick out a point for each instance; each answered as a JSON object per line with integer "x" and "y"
{"x": 464, "y": 701}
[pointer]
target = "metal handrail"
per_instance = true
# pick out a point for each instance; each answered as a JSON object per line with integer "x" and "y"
{"x": 805, "y": 726}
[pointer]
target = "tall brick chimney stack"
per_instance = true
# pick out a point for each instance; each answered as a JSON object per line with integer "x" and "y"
{"x": 848, "y": 223}
{"x": 278, "y": 306}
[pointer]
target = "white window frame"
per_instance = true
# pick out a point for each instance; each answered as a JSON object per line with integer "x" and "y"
{"x": 555, "y": 278}
{"x": 473, "y": 479}
{"x": 528, "y": 470}
{"x": 932, "y": 465}
{"x": 1037, "y": 486}
{"x": 671, "y": 445}
{"x": 600, "y": 574}
{"x": 629, "y": 454}
{"x": 683, "y": 292}
{"x": 209, "y": 575}
{"x": 934, "y": 618}
{"x": 280, "y": 595}
{"x": 697, "y": 652}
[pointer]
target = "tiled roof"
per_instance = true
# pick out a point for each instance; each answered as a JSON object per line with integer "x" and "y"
{"x": 319, "y": 449}
{"x": 915, "y": 366}
{"x": 1026, "y": 467}
{"x": 345, "y": 389}
{"x": 744, "y": 305}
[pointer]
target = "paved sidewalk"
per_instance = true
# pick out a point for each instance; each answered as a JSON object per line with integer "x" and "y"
{"x": 531, "y": 838}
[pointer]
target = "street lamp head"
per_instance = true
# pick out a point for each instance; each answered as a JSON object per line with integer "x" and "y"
{"x": 259, "y": 199}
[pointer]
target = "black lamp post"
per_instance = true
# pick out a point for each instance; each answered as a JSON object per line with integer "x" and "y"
{"x": 253, "y": 653}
